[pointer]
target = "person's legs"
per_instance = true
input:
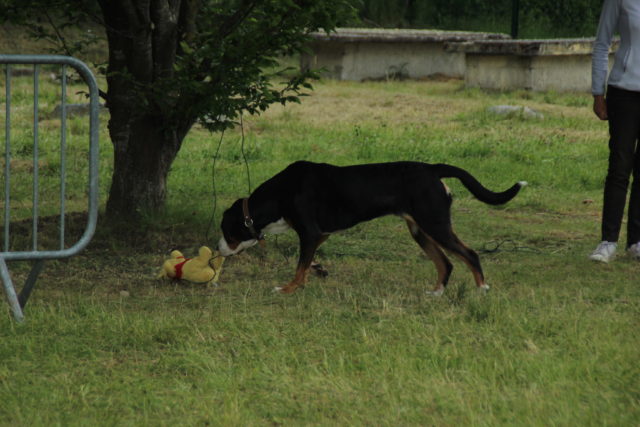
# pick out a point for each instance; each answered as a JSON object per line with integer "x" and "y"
{"x": 633, "y": 224}
{"x": 623, "y": 108}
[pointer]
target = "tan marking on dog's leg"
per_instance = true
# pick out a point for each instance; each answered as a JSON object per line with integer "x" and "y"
{"x": 298, "y": 281}
{"x": 477, "y": 275}
{"x": 437, "y": 256}
{"x": 433, "y": 252}
{"x": 304, "y": 264}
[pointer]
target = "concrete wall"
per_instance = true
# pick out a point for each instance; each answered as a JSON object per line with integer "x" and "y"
{"x": 365, "y": 54}
{"x": 491, "y": 61}
{"x": 538, "y": 65}
{"x": 367, "y": 61}
{"x": 558, "y": 73}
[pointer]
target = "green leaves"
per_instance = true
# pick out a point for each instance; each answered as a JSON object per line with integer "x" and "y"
{"x": 224, "y": 53}
{"x": 232, "y": 63}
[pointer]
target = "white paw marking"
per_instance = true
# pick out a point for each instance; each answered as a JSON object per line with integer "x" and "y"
{"x": 437, "y": 293}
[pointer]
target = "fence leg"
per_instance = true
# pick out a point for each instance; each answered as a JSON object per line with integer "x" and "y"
{"x": 31, "y": 281}
{"x": 10, "y": 291}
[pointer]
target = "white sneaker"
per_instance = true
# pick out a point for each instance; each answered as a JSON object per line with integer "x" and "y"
{"x": 604, "y": 252}
{"x": 634, "y": 251}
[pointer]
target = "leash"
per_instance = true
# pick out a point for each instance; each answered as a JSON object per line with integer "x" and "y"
{"x": 213, "y": 174}
{"x": 244, "y": 154}
{"x": 248, "y": 221}
{"x": 495, "y": 246}
{"x": 213, "y": 267}
{"x": 214, "y": 190}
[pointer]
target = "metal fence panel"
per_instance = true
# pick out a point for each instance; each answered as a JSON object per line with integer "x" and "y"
{"x": 17, "y": 302}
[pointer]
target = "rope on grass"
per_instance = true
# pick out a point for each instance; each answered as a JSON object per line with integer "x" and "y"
{"x": 507, "y": 245}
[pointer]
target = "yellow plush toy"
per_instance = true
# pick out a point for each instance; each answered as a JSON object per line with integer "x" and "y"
{"x": 205, "y": 268}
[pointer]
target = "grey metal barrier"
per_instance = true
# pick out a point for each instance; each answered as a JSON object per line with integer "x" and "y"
{"x": 17, "y": 302}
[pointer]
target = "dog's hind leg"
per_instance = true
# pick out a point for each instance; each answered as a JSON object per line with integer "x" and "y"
{"x": 446, "y": 238}
{"x": 471, "y": 258}
{"x": 431, "y": 249}
{"x": 308, "y": 247}
{"x": 438, "y": 228}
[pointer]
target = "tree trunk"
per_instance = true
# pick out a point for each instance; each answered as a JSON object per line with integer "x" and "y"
{"x": 143, "y": 36}
{"x": 143, "y": 153}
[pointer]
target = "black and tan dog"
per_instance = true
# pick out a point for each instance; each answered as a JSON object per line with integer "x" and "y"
{"x": 318, "y": 199}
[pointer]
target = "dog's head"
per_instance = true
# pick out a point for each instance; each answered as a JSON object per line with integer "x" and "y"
{"x": 237, "y": 233}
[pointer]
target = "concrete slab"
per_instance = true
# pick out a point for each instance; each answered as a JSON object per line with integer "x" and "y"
{"x": 376, "y": 54}
{"x": 539, "y": 65}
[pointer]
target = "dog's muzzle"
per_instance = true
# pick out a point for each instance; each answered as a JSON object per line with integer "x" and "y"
{"x": 225, "y": 250}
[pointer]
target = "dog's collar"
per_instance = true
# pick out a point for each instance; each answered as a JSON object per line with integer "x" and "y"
{"x": 248, "y": 222}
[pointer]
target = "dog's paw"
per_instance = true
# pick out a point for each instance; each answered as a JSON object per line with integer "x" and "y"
{"x": 484, "y": 288}
{"x": 319, "y": 270}
{"x": 436, "y": 292}
{"x": 285, "y": 289}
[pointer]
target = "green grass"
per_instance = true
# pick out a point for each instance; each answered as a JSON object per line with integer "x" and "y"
{"x": 555, "y": 342}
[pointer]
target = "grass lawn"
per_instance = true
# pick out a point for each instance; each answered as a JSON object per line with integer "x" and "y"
{"x": 555, "y": 342}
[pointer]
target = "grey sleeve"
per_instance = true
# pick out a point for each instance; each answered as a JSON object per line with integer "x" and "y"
{"x": 600, "y": 57}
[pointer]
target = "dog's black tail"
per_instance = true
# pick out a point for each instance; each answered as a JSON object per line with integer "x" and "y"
{"x": 473, "y": 185}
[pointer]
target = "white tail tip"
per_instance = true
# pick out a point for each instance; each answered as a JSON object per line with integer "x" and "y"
{"x": 523, "y": 183}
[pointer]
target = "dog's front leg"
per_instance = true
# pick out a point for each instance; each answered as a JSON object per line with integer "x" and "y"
{"x": 308, "y": 247}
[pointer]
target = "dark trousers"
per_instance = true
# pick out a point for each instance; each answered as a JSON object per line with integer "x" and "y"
{"x": 623, "y": 109}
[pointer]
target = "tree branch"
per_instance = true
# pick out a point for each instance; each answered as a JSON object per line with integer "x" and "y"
{"x": 237, "y": 18}
{"x": 164, "y": 17}
{"x": 187, "y": 19}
